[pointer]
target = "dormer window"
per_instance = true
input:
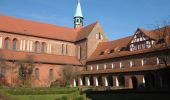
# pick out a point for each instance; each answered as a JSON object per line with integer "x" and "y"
{"x": 111, "y": 51}
{"x": 99, "y": 36}
{"x": 102, "y": 53}
{"x": 123, "y": 49}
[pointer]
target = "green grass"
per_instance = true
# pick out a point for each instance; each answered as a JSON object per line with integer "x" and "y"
{"x": 39, "y": 93}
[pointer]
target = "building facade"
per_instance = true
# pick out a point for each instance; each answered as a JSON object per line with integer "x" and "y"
{"x": 135, "y": 61}
{"x": 138, "y": 61}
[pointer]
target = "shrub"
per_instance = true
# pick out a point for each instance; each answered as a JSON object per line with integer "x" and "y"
{"x": 39, "y": 92}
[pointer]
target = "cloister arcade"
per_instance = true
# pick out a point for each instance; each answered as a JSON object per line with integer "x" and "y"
{"x": 123, "y": 81}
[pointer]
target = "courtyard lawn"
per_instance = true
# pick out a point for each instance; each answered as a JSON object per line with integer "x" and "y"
{"x": 41, "y": 94}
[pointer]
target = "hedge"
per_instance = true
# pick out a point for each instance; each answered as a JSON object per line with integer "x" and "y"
{"x": 39, "y": 92}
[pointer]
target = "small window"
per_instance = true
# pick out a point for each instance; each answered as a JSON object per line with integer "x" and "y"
{"x": 62, "y": 48}
{"x": 36, "y": 45}
{"x": 123, "y": 49}
{"x": 36, "y": 74}
{"x": 131, "y": 63}
{"x": 112, "y": 51}
{"x": 66, "y": 49}
{"x": 144, "y": 61}
{"x": 91, "y": 68}
{"x": 43, "y": 48}
{"x": 160, "y": 60}
{"x": 51, "y": 74}
{"x": 14, "y": 44}
{"x": 102, "y": 53}
{"x": 97, "y": 67}
{"x": 6, "y": 43}
{"x": 105, "y": 66}
{"x": 113, "y": 65}
{"x": 122, "y": 65}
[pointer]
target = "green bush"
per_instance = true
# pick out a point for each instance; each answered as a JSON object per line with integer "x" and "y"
{"x": 39, "y": 92}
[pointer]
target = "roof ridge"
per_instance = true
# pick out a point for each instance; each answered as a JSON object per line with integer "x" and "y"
{"x": 34, "y": 21}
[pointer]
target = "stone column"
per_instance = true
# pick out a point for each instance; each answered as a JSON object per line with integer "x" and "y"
{"x": 105, "y": 81}
{"x": 87, "y": 81}
{"x": 80, "y": 81}
{"x": 96, "y": 81}
{"x": 74, "y": 83}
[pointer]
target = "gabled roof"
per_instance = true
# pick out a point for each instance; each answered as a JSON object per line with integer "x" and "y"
{"x": 43, "y": 30}
{"x": 84, "y": 32}
{"x": 157, "y": 33}
{"x": 40, "y": 57}
{"x": 115, "y": 45}
{"x": 102, "y": 53}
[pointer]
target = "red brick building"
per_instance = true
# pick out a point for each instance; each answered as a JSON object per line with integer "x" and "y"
{"x": 51, "y": 47}
{"x": 138, "y": 60}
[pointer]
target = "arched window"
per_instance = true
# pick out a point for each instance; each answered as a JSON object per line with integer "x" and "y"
{"x": 36, "y": 46}
{"x": 14, "y": 44}
{"x": 100, "y": 37}
{"x": 6, "y": 43}
{"x": 43, "y": 48}
{"x": 62, "y": 48}
{"x": 51, "y": 74}
{"x": 36, "y": 74}
{"x": 66, "y": 49}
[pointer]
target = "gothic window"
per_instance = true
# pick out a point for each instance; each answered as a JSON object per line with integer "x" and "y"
{"x": 36, "y": 74}
{"x": 62, "y": 48}
{"x": 43, "y": 48}
{"x": 6, "y": 43}
{"x": 66, "y": 49}
{"x": 37, "y": 45}
{"x": 51, "y": 74}
{"x": 14, "y": 44}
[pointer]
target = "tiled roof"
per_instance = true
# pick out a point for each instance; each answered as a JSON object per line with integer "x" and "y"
{"x": 84, "y": 32}
{"x": 39, "y": 57}
{"x": 32, "y": 28}
{"x": 157, "y": 33}
{"x": 124, "y": 53}
{"x": 115, "y": 45}
{"x": 102, "y": 51}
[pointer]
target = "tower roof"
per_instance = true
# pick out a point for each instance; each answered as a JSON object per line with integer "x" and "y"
{"x": 78, "y": 10}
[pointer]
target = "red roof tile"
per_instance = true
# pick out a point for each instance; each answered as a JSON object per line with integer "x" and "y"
{"x": 115, "y": 45}
{"x": 32, "y": 28}
{"x": 40, "y": 57}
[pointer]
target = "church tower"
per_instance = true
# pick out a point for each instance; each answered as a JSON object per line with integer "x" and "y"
{"x": 78, "y": 18}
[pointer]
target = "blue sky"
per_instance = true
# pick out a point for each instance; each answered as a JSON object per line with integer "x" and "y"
{"x": 119, "y": 18}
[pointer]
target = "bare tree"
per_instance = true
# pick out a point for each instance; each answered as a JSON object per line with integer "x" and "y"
{"x": 26, "y": 69}
{"x": 3, "y": 66}
{"x": 69, "y": 73}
